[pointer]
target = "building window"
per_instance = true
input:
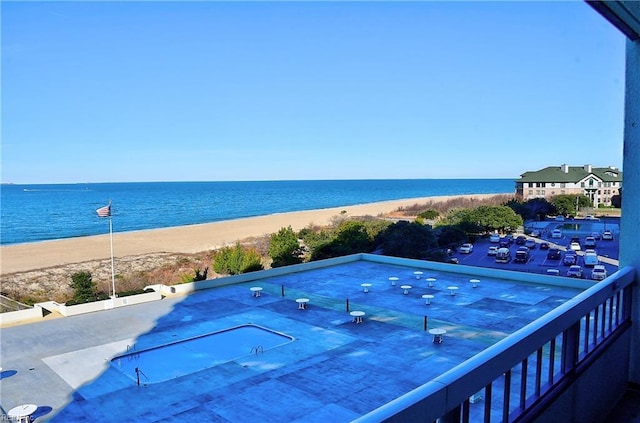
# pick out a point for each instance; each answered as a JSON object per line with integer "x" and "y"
{"x": 563, "y": 185}
{"x": 582, "y": 184}
{"x": 530, "y": 192}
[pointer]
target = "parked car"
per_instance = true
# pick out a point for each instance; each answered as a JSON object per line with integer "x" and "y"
{"x": 596, "y": 235}
{"x": 492, "y": 251}
{"x": 575, "y": 246}
{"x": 536, "y": 233}
{"x": 505, "y": 241}
{"x": 494, "y": 238}
{"x": 590, "y": 258}
{"x": 522, "y": 255}
{"x": 544, "y": 245}
{"x": 560, "y": 218}
{"x": 521, "y": 239}
{"x": 466, "y": 248}
{"x": 554, "y": 254}
{"x": 590, "y": 217}
{"x": 503, "y": 255}
{"x": 556, "y": 233}
{"x": 574, "y": 271}
{"x": 569, "y": 259}
{"x": 589, "y": 242}
{"x": 607, "y": 235}
{"x": 553, "y": 272}
{"x": 598, "y": 273}
{"x": 530, "y": 243}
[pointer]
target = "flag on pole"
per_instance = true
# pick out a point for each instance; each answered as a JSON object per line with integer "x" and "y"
{"x": 104, "y": 211}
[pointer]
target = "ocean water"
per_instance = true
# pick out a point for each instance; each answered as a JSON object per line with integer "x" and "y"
{"x": 31, "y": 213}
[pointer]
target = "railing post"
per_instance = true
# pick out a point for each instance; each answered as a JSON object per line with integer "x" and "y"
{"x": 570, "y": 345}
{"x": 452, "y": 416}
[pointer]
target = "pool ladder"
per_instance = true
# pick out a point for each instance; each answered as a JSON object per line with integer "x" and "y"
{"x": 138, "y": 373}
{"x": 257, "y": 349}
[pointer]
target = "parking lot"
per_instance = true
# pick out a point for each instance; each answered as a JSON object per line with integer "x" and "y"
{"x": 607, "y": 250}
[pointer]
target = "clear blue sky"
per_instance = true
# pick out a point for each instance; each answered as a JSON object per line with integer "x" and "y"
{"x": 216, "y": 91}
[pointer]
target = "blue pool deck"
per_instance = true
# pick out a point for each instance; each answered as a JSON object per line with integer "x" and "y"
{"x": 334, "y": 370}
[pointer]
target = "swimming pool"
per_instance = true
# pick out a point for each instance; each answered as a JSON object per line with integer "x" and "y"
{"x": 187, "y": 356}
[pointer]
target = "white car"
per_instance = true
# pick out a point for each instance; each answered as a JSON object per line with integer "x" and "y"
{"x": 590, "y": 217}
{"x": 557, "y": 233}
{"x": 559, "y": 218}
{"x": 598, "y": 273}
{"x": 495, "y": 238}
{"x": 492, "y": 251}
{"x": 466, "y": 248}
{"x": 575, "y": 246}
{"x": 590, "y": 242}
{"x": 607, "y": 235}
{"x": 574, "y": 271}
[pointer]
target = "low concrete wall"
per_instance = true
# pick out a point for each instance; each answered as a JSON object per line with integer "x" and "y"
{"x": 74, "y": 310}
{"x": 489, "y": 272}
{"x": 186, "y": 288}
{"x": 11, "y": 317}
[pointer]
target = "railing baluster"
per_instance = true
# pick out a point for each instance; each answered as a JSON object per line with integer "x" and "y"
{"x": 552, "y": 360}
{"x": 538, "y": 379}
{"x": 488, "y": 390}
{"x": 587, "y": 331}
{"x": 596, "y": 315}
{"x": 523, "y": 383}
{"x": 603, "y": 323}
{"x": 507, "y": 396}
{"x": 610, "y": 300}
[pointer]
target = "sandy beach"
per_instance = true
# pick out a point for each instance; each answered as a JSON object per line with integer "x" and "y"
{"x": 185, "y": 239}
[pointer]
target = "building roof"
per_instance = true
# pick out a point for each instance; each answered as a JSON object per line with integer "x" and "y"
{"x": 573, "y": 174}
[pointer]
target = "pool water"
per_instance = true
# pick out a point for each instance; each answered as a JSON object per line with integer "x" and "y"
{"x": 188, "y": 356}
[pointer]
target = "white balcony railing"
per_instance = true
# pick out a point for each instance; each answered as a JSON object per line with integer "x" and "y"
{"x": 525, "y": 372}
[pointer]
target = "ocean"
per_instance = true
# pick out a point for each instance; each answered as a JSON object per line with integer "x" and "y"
{"x": 32, "y": 213}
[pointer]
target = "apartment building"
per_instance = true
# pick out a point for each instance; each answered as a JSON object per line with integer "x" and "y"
{"x": 600, "y": 184}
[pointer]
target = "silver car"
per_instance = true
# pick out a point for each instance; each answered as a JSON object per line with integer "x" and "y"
{"x": 599, "y": 272}
{"x": 575, "y": 271}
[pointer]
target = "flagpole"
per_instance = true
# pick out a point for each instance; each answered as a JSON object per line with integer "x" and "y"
{"x": 113, "y": 269}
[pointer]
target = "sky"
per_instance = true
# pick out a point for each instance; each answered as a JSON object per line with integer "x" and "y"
{"x": 243, "y": 91}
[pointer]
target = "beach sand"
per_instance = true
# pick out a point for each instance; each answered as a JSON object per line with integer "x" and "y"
{"x": 185, "y": 239}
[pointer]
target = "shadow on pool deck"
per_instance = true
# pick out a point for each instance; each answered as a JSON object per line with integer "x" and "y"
{"x": 334, "y": 370}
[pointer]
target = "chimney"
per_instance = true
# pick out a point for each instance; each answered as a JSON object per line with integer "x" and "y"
{"x": 565, "y": 168}
{"x": 587, "y": 168}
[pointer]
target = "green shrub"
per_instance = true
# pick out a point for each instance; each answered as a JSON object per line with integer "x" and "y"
{"x": 83, "y": 287}
{"x": 236, "y": 260}
{"x": 284, "y": 248}
{"x": 429, "y": 214}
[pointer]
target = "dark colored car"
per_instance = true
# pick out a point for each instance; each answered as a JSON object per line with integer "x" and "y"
{"x": 544, "y": 245}
{"x": 521, "y": 240}
{"x": 554, "y": 254}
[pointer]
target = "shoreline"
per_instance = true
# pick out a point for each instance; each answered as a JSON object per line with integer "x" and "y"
{"x": 188, "y": 239}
